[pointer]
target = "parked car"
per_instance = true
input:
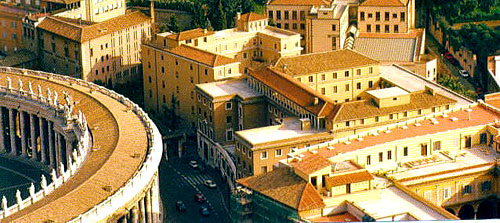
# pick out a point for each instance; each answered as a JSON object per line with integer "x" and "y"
{"x": 181, "y": 207}
{"x": 464, "y": 73}
{"x": 193, "y": 164}
{"x": 204, "y": 210}
{"x": 199, "y": 198}
{"x": 210, "y": 184}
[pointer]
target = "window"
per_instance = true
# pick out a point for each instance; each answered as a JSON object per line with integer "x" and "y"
{"x": 334, "y": 75}
{"x": 302, "y": 15}
{"x": 370, "y": 84}
{"x": 229, "y": 119}
{"x": 311, "y": 79}
{"x": 277, "y": 153}
{"x": 358, "y": 71}
{"x": 402, "y": 17}
{"x": 486, "y": 186}
{"x": 377, "y": 16}
{"x": 369, "y": 28}
{"x": 347, "y": 123}
{"x": 381, "y": 157}
{"x": 334, "y": 27}
{"x": 323, "y": 91}
{"x": 334, "y": 43}
{"x": 287, "y": 26}
{"x": 358, "y": 86}
{"x": 387, "y": 15}
{"x": 263, "y": 155}
{"x": 387, "y": 29}
{"x": 346, "y": 74}
{"x": 437, "y": 145}
{"x": 446, "y": 192}
{"x": 347, "y": 87}
{"x": 405, "y": 114}
{"x": 362, "y": 16}
{"x": 394, "y": 15}
{"x": 370, "y": 70}
{"x": 323, "y": 77}
{"x": 396, "y": 28}
{"x": 376, "y": 119}
{"x": 391, "y": 116}
{"x": 377, "y": 28}
{"x": 294, "y": 15}
{"x": 467, "y": 189}
{"x": 229, "y": 135}
{"x": 389, "y": 155}
{"x": 294, "y": 26}
{"x": 270, "y": 14}
{"x": 368, "y": 160}
{"x": 334, "y": 89}
{"x": 423, "y": 149}
{"x": 405, "y": 151}
{"x": 229, "y": 105}
{"x": 287, "y": 15}
{"x": 302, "y": 26}
{"x": 278, "y": 15}
{"x": 263, "y": 169}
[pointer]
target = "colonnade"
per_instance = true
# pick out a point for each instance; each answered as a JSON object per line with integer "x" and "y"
{"x": 33, "y": 137}
{"x": 146, "y": 209}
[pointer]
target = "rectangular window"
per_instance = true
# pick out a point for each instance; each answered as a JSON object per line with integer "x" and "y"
{"x": 277, "y": 153}
{"x": 370, "y": 84}
{"x": 358, "y": 71}
{"x": 377, "y": 28}
{"x": 423, "y": 149}
{"x": 334, "y": 75}
{"x": 294, "y": 26}
{"x": 229, "y": 135}
{"x": 467, "y": 189}
{"x": 362, "y": 16}
{"x": 358, "y": 86}
{"x": 323, "y": 91}
{"x": 294, "y": 15}
{"x": 446, "y": 193}
{"x": 229, "y": 105}
{"x": 369, "y": 28}
{"x": 278, "y": 15}
{"x": 229, "y": 119}
{"x": 377, "y": 16}
{"x": 387, "y": 15}
{"x": 323, "y": 77}
{"x": 389, "y": 155}
{"x": 347, "y": 87}
{"x": 376, "y": 118}
{"x": 334, "y": 89}
{"x": 302, "y": 16}
{"x": 437, "y": 145}
{"x": 486, "y": 186}
{"x": 347, "y": 123}
{"x": 405, "y": 151}
{"x": 311, "y": 79}
{"x": 387, "y": 29}
{"x": 334, "y": 27}
{"x": 368, "y": 160}
{"x": 402, "y": 17}
{"x": 302, "y": 26}
{"x": 381, "y": 157}
{"x": 287, "y": 26}
{"x": 263, "y": 155}
{"x": 346, "y": 74}
{"x": 396, "y": 28}
{"x": 287, "y": 15}
{"x": 270, "y": 14}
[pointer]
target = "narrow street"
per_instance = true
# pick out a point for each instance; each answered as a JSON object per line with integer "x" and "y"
{"x": 180, "y": 182}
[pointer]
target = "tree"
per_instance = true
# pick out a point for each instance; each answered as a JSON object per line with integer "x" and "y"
{"x": 219, "y": 17}
{"x": 172, "y": 25}
{"x": 487, "y": 5}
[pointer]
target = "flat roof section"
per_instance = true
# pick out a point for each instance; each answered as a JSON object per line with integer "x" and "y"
{"x": 413, "y": 82}
{"x": 387, "y": 92}
{"x": 227, "y": 88}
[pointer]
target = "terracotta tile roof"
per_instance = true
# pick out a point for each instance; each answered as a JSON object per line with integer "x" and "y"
{"x": 252, "y": 16}
{"x": 343, "y": 217}
{"x": 348, "y": 178}
{"x": 294, "y": 90}
{"x": 480, "y": 115}
{"x": 311, "y": 163}
{"x": 202, "y": 56}
{"x": 18, "y": 58}
{"x": 284, "y": 186}
{"x": 493, "y": 99}
{"x": 367, "y": 108}
{"x": 384, "y": 3}
{"x": 190, "y": 34}
{"x": 299, "y": 2}
{"x": 82, "y": 31}
{"x": 324, "y": 61}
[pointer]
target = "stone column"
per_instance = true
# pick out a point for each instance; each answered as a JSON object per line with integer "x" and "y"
{"x": 142, "y": 209}
{"x": 135, "y": 215}
{"x": 12, "y": 129}
{"x": 23, "y": 134}
{"x": 2, "y": 134}
{"x": 148, "y": 206}
{"x": 43, "y": 147}
{"x": 34, "y": 149}
{"x": 52, "y": 153}
{"x": 58, "y": 148}
{"x": 69, "y": 149}
{"x": 155, "y": 201}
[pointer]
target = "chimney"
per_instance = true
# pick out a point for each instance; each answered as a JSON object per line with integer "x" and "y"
{"x": 238, "y": 15}
{"x": 153, "y": 27}
{"x": 316, "y": 100}
{"x": 305, "y": 124}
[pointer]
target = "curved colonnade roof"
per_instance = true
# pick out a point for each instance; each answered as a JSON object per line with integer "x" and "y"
{"x": 119, "y": 137}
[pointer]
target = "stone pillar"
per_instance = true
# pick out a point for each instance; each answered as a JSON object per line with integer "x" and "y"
{"x": 43, "y": 147}
{"x": 12, "y": 129}
{"x": 2, "y": 134}
{"x": 142, "y": 209}
{"x": 52, "y": 153}
{"x": 58, "y": 148}
{"x": 148, "y": 206}
{"x": 135, "y": 215}
{"x": 34, "y": 146}
{"x": 155, "y": 201}
{"x": 23, "y": 134}
{"x": 69, "y": 149}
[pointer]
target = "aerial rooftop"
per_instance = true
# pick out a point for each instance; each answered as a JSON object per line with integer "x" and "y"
{"x": 228, "y": 88}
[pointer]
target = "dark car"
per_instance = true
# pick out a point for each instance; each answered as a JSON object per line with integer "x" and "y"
{"x": 181, "y": 207}
{"x": 199, "y": 198}
{"x": 204, "y": 210}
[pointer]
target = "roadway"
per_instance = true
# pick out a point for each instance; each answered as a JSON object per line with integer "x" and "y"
{"x": 180, "y": 182}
